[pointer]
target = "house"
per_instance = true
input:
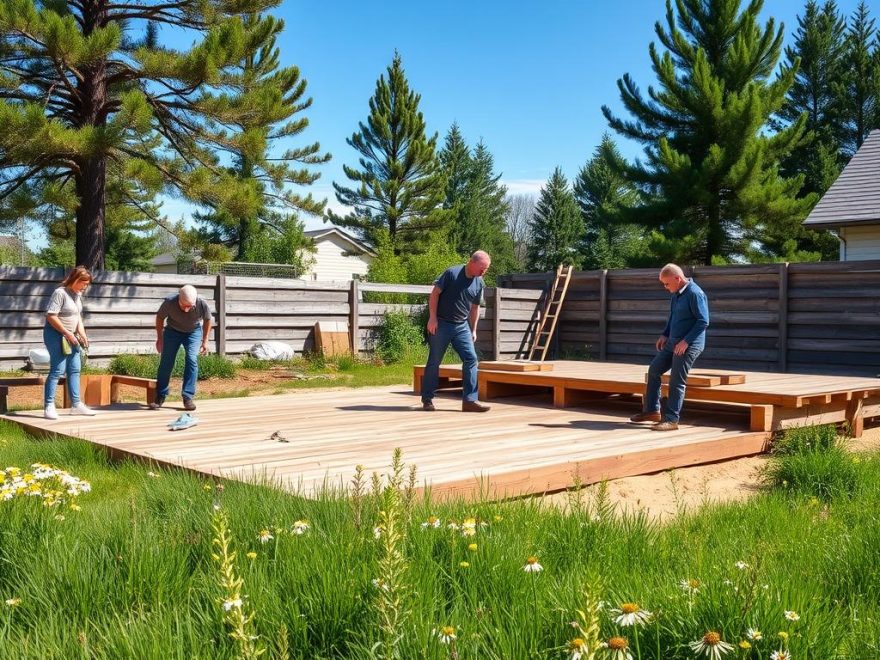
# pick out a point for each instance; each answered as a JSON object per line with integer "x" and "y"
{"x": 338, "y": 256}
{"x": 851, "y": 206}
{"x": 164, "y": 263}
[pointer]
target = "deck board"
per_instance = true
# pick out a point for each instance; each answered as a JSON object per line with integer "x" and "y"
{"x": 524, "y": 445}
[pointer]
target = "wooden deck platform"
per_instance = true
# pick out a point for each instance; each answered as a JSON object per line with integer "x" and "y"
{"x": 523, "y": 445}
{"x": 775, "y": 401}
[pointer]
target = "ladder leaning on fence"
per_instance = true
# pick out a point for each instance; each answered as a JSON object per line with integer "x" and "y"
{"x": 552, "y": 309}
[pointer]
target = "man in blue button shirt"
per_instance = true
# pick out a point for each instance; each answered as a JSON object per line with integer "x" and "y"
{"x": 678, "y": 347}
{"x": 453, "y": 312}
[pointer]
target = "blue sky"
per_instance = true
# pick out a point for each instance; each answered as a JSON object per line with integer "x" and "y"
{"x": 529, "y": 78}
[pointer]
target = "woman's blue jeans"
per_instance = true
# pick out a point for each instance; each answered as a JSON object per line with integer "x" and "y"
{"x": 172, "y": 340}
{"x": 459, "y": 335}
{"x": 61, "y": 365}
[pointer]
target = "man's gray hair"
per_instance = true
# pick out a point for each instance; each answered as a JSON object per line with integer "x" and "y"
{"x": 188, "y": 293}
{"x": 481, "y": 255}
{"x": 672, "y": 270}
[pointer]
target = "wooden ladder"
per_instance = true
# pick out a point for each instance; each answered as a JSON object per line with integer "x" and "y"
{"x": 547, "y": 325}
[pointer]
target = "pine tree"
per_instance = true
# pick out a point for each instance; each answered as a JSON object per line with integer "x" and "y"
{"x": 858, "y": 91}
{"x": 603, "y": 194}
{"x": 254, "y": 220}
{"x": 556, "y": 227}
{"x": 80, "y": 90}
{"x": 455, "y": 161}
{"x": 399, "y": 186}
{"x": 711, "y": 173}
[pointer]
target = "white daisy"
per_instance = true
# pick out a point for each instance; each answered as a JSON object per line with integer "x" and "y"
{"x": 577, "y": 648}
{"x": 741, "y": 565}
{"x": 446, "y": 634}
{"x": 432, "y": 522}
{"x": 780, "y": 655}
{"x": 618, "y": 648}
{"x": 754, "y": 634}
{"x": 711, "y": 645}
{"x": 690, "y": 586}
{"x": 630, "y": 614}
{"x": 300, "y": 527}
{"x": 532, "y": 565}
{"x": 791, "y": 615}
{"x": 265, "y": 536}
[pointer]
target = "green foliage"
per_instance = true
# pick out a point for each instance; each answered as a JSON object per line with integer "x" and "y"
{"x": 399, "y": 337}
{"x": 146, "y": 366}
{"x": 711, "y": 170}
{"x": 812, "y": 462}
{"x": 858, "y": 88}
{"x": 556, "y": 228}
{"x": 399, "y": 187}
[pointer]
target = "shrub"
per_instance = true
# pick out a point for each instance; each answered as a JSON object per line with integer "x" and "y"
{"x": 806, "y": 439}
{"x": 398, "y": 337}
{"x": 146, "y": 366}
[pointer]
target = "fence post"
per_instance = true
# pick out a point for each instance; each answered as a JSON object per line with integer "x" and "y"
{"x": 496, "y": 325}
{"x": 221, "y": 314}
{"x": 354, "y": 317}
{"x": 603, "y": 311}
{"x": 783, "y": 317}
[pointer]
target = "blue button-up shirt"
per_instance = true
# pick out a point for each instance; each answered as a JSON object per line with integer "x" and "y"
{"x": 688, "y": 316}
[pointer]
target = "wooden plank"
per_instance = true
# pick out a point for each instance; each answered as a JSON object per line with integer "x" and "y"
{"x": 603, "y": 314}
{"x": 221, "y": 314}
{"x": 496, "y": 324}
{"x": 761, "y": 417}
{"x": 783, "y": 302}
{"x": 515, "y": 365}
{"x": 354, "y": 316}
{"x": 332, "y": 338}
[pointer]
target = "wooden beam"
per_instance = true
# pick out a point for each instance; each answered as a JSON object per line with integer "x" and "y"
{"x": 782, "y": 365}
{"x": 221, "y": 314}
{"x": 855, "y": 417}
{"x": 761, "y": 418}
{"x": 603, "y": 316}
{"x": 496, "y": 325}
{"x": 354, "y": 317}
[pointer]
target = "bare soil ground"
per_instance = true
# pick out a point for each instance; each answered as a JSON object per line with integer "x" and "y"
{"x": 660, "y": 496}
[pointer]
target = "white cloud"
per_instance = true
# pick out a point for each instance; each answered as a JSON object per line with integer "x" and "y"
{"x": 524, "y": 186}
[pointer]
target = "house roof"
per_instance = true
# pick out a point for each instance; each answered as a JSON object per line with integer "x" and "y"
{"x": 854, "y": 199}
{"x": 319, "y": 234}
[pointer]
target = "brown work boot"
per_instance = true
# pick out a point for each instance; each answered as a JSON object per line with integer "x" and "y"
{"x": 652, "y": 417}
{"x": 473, "y": 406}
{"x": 428, "y": 405}
{"x": 664, "y": 426}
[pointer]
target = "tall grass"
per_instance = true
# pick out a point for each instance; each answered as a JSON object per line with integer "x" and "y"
{"x": 146, "y": 366}
{"x": 138, "y": 571}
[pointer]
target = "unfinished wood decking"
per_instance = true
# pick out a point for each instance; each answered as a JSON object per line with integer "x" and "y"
{"x": 523, "y": 445}
{"x": 772, "y": 401}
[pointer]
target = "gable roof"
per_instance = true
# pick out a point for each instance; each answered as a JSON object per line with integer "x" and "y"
{"x": 319, "y": 234}
{"x": 854, "y": 199}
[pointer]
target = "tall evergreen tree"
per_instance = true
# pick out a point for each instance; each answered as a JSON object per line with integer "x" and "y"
{"x": 260, "y": 175}
{"x": 711, "y": 173}
{"x": 556, "y": 227}
{"x": 858, "y": 90}
{"x": 602, "y": 194}
{"x": 79, "y": 89}
{"x": 455, "y": 162}
{"x": 399, "y": 185}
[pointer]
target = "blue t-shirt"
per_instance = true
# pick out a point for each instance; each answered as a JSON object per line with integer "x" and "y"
{"x": 688, "y": 316}
{"x": 458, "y": 293}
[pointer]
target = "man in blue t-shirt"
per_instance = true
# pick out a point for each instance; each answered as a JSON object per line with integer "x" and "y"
{"x": 453, "y": 312}
{"x": 682, "y": 341}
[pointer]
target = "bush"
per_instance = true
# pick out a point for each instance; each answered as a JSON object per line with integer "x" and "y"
{"x": 146, "y": 366}
{"x": 811, "y": 461}
{"x": 398, "y": 337}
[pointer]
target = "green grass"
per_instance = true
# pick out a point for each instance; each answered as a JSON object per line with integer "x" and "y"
{"x": 131, "y": 575}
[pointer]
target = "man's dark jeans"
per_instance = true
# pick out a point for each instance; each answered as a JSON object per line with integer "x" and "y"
{"x": 678, "y": 366}
{"x": 459, "y": 335}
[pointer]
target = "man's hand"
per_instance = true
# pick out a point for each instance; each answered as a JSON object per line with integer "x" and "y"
{"x": 203, "y": 349}
{"x": 680, "y": 347}
{"x": 474, "y": 335}
{"x": 84, "y": 341}
{"x": 432, "y": 326}
{"x": 159, "y": 344}
{"x": 661, "y": 342}
{"x": 71, "y": 339}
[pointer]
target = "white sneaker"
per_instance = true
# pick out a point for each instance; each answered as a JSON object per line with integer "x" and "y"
{"x": 49, "y": 412}
{"x": 82, "y": 409}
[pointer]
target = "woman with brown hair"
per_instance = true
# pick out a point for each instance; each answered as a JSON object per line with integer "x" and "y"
{"x": 65, "y": 337}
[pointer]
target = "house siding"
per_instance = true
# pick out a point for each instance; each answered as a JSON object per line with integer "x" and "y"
{"x": 332, "y": 263}
{"x": 861, "y": 243}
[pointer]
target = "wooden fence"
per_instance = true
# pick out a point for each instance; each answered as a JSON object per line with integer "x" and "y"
{"x": 800, "y": 318}
{"x": 120, "y": 312}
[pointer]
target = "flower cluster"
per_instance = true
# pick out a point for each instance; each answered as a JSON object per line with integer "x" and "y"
{"x": 55, "y": 487}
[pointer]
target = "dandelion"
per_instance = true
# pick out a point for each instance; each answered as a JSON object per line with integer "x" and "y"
{"x": 630, "y": 614}
{"x": 265, "y": 536}
{"x": 690, "y": 586}
{"x": 13, "y": 602}
{"x": 791, "y": 615}
{"x": 207, "y": 487}
{"x": 782, "y": 635}
{"x": 472, "y": 547}
{"x": 577, "y": 647}
{"x": 618, "y": 648}
{"x": 446, "y": 634}
{"x": 75, "y": 507}
{"x": 780, "y": 655}
{"x": 497, "y": 518}
{"x": 532, "y": 565}
{"x": 754, "y": 634}
{"x": 251, "y": 555}
{"x": 433, "y": 522}
{"x": 469, "y": 527}
{"x": 741, "y": 565}
{"x": 300, "y": 527}
{"x": 711, "y": 645}
{"x": 464, "y": 564}
{"x": 229, "y": 603}
{"x": 744, "y": 645}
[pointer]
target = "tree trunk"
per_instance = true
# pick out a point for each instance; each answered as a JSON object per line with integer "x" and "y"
{"x": 91, "y": 185}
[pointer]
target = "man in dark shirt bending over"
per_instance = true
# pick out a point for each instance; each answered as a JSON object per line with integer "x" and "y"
{"x": 453, "y": 312}
{"x": 678, "y": 347}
